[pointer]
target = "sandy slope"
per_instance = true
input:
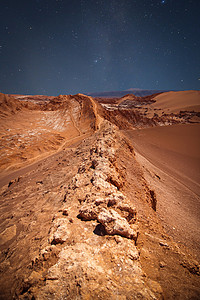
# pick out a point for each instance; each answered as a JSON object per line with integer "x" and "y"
{"x": 175, "y": 149}
{"x": 172, "y": 153}
{"x": 177, "y": 101}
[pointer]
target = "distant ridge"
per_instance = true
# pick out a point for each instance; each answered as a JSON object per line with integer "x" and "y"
{"x": 136, "y": 92}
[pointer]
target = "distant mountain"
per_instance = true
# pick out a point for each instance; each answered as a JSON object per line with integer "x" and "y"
{"x": 136, "y": 92}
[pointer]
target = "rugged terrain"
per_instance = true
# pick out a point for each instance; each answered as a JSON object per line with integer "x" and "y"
{"x": 100, "y": 197}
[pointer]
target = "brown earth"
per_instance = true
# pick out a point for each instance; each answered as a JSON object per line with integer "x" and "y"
{"x": 170, "y": 157}
{"x": 89, "y": 211}
{"x": 30, "y": 130}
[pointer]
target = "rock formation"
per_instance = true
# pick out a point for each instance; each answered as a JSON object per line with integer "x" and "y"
{"x": 100, "y": 258}
{"x": 82, "y": 223}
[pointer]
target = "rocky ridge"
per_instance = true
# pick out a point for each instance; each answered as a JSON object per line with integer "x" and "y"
{"x": 84, "y": 222}
{"x": 100, "y": 258}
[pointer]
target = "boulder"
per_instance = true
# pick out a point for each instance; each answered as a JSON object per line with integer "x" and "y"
{"x": 88, "y": 212}
{"x": 115, "y": 224}
{"x": 129, "y": 210}
{"x": 59, "y": 233}
{"x": 80, "y": 180}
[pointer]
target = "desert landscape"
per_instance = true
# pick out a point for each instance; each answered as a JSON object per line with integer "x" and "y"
{"x": 100, "y": 196}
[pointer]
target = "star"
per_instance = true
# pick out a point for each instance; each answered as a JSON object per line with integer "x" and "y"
{"x": 163, "y": 1}
{"x": 74, "y": 34}
{"x": 98, "y": 59}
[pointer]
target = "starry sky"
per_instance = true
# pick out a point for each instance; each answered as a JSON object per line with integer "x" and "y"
{"x": 56, "y": 47}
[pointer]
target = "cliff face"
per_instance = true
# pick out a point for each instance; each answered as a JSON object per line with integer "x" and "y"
{"x": 83, "y": 222}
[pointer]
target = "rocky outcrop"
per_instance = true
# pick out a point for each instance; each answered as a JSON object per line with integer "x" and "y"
{"x": 91, "y": 248}
{"x": 115, "y": 224}
{"x": 109, "y": 205}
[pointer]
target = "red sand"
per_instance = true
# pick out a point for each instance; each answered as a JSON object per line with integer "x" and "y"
{"x": 176, "y": 101}
{"x": 170, "y": 156}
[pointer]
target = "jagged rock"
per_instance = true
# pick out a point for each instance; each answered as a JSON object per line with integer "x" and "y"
{"x": 112, "y": 201}
{"x": 99, "y": 175}
{"x": 124, "y": 207}
{"x": 101, "y": 184}
{"x": 91, "y": 209}
{"x": 80, "y": 180}
{"x": 100, "y": 163}
{"x": 59, "y": 233}
{"x": 49, "y": 254}
{"x": 114, "y": 198}
{"x": 115, "y": 224}
{"x": 82, "y": 193}
{"x": 119, "y": 239}
{"x": 103, "y": 149}
{"x": 101, "y": 201}
{"x": 82, "y": 169}
{"x": 88, "y": 212}
{"x": 107, "y": 152}
{"x": 10, "y": 183}
{"x": 162, "y": 264}
{"x": 115, "y": 180}
{"x": 105, "y": 170}
{"x": 119, "y": 196}
{"x": 34, "y": 278}
{"x": 89, "y": 272}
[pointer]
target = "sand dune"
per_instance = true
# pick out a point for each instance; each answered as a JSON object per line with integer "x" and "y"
{"x": 175, "y": 149}
{"x": 171, "y": 157}
{"x": 178, "y": 101}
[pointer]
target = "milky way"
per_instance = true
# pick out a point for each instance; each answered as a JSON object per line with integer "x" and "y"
{"x": 64, "y": 47}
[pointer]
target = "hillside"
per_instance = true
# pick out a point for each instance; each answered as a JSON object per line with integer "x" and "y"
{"x": 100, "y": 198}
{"x": 31, "y": 129}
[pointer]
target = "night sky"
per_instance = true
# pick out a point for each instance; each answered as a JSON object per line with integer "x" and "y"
{"x": 68, "y": 46}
